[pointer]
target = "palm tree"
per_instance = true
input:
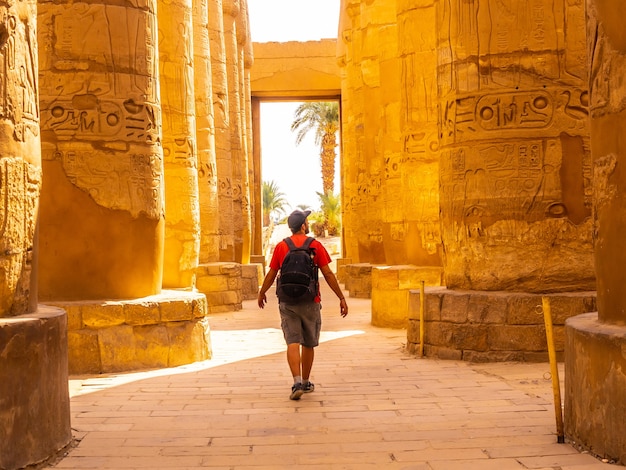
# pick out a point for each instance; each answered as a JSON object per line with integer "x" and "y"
{"x": 323, "y": 116}
{"x": 331, "y": 208}
{"x": 273, "y": 200}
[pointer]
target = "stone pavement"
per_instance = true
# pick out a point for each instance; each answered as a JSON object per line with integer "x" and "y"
{"x": 374, "y": 407}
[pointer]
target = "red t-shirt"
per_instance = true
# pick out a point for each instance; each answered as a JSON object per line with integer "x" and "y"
{"x": 321, "y": 257}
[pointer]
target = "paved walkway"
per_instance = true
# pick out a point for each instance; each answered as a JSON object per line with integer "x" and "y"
{"x": 374, "y": 407}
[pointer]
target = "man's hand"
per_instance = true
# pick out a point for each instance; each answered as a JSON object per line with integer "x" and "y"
{"x": 343, "y": 307}
{"x": 262, "y": 300}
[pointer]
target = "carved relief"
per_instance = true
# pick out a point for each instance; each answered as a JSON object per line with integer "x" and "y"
{"x": 100, "y": 114}
{"x": 513, "y": 123}
{"x": 18, "y": 74}
{"x": 19, "y": 194}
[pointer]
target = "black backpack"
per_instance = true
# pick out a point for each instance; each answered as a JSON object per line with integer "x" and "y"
{"x": 298, "y": 280}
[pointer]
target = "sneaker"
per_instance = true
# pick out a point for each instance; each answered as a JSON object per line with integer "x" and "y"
{"x": 296, "y": 391}
{"x": 308, "y": 387}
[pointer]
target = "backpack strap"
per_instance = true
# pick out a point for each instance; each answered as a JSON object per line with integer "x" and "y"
{"x": 307, "y": 243}
{"x": 292, "y": 246}
{"x": 290, "y": 243}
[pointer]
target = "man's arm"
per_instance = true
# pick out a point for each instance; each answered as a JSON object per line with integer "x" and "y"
{"x": 267, "y": 283}
{"x": 334, "y": 285}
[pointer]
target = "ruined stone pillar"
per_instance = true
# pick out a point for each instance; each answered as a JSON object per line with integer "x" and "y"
{"x": 102, "y": 198}
{"x": 205, "y": 135}
{"x": 34, "y": 398}
{"x": 596, "y": 342}
{"x": 515, "y": 163}
{"x": 221, "y": 109}
{"x": 182, "y": 228}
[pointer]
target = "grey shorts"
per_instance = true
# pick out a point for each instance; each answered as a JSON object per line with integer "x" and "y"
{"x": 301, "y": 323}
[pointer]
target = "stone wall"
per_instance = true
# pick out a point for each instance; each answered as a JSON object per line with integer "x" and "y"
{"x": 490, "y": 326}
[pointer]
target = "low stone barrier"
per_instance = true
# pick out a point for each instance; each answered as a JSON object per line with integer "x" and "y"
{"x": 358, "y": 280}
{"x": 222, "y": 284}
{"x": 390, "y": 291}
{"x": 251, "y": 280}
{"x": 479, "y": 326}
{"x": 165, "y": 330}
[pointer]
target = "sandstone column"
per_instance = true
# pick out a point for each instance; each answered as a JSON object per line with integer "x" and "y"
{"x": 516, "y": 167}
{"x": 205, "y": 135}
{"x": 34, "y": 398}
{"x": 362, "y": 111}
{"x": 20, "y": 160}
{"x": 596, "y": 342}
{"x": 244, "y": 44}
{"x": 182, "y": 229}
{"x": 102, "y": 199}
{"x": 415, "y": 231}
{"x": 351, "y": 129}
{"x": 221, "y": 108}
{"x": 232, "y": 9}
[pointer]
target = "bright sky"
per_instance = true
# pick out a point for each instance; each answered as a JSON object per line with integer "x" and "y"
{"x": 295, "y": 168}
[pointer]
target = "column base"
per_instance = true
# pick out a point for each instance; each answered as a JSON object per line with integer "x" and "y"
{"x": 390, "y": 291}
{"x": 35, "y": 405}
{"x": 165, "y": 330}
{"x": 595, "y": 386}
{"x": 221, "y": 282}
{"x": 491, "y": 326}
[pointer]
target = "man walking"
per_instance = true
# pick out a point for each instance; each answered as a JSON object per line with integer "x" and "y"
{"x": 301, "y": 322}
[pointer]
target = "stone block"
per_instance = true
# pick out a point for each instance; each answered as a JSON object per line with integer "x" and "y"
{"x": 251, "y": 280}
{"x": 199, "y": 306}
{"x": 101, "y": 315}
{"x": 359, "y": 280}
{"x": 564, "y": 307}
{"x": 152, "y": 346}
{"x": 176, "y": 310}
{"x": 524, "y": 309}
{"x": 117, "y": 346}
{"x": 74, "y": 316}
{"x": 212, "y": 283}
{"x": 390, "y": 308}
{"x": 259, "y": 259}
{"x": 517, "y": 338}
{"x": 189, "y": 342}
{"x": 83, "y": 352}
{"x": 391, "y": 286}
{"x": 454, "y": 307}
{"x": 142, "y": 313}
{"x": 341, "y": 268}
{"x": 486, "y": 308}
{"x": 443, "y": 353}
{"x": 432, "y": 304}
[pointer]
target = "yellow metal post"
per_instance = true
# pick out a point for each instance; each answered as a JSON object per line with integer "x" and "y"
{"x": 556, "y": 386}
{"x": 421, "y": 319}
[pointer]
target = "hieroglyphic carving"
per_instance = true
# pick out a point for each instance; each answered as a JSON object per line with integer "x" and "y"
{"x": 18, "y": 73}
{"x": 100, "y": 112}
{"x": 20, "y": 156}
{"x": 19, "y": 194}
{"x": 513, "y": 126}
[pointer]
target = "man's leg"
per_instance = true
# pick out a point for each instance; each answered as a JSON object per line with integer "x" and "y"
{"x": 293, "y": 359}
{"x": 308, "y": 354}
